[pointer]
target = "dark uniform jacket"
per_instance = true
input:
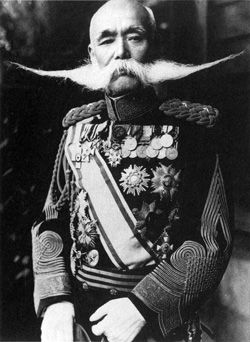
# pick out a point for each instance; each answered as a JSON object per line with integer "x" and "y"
{"x": 137, "y": 205}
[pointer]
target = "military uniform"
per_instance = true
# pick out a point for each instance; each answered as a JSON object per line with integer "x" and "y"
{"x": 137, "y": 207}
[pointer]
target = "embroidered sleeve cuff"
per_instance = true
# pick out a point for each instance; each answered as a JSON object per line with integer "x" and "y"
{"x": 48, "y": 287}
{"x": 174, "y": 292}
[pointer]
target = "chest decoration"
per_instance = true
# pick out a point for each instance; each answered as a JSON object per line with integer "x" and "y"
{"x": 165, "y": 181}
{"x": 83, "y": 232}
{"x": 134, "y": 180}
{"x": 131, "y": 167}
{"x": 119, "y": 142}
{"x": 133, "y": 143}
{"x": 144, "y": 142}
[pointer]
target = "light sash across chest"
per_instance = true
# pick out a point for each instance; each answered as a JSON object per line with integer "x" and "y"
{"x": 107, "y": 205}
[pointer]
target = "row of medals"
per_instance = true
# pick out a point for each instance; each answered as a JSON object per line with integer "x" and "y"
{"x": 148, "y": 146}
{"x": 163, "y": 146}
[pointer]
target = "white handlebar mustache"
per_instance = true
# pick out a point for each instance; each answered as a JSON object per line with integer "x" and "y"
{"x": 92, "y": 77}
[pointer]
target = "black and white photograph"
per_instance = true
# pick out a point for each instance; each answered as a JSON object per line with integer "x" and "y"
{"x": 125, "y": 170}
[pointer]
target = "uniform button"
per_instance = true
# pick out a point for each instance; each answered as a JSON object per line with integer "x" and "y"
{"x": 113, "y": 292}
{"x": 85, "y": 286}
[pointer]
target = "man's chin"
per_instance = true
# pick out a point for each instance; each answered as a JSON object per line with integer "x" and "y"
{"x": 123, "y": 85}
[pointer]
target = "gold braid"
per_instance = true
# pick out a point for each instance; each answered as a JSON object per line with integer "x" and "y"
{"x": 203, "y": 115}
{"x": 58, "y": 203}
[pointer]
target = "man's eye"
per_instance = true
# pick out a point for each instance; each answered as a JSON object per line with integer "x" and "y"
{"x": 135, "y": 38}
{"x": 107, "y": 41}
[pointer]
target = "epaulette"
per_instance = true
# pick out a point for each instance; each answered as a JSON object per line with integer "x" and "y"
{"x": 84, "y": 112}
{"x": 203, "y": 115}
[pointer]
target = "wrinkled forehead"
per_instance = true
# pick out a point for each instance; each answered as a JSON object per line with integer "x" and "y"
{"x": 118, "y": 15}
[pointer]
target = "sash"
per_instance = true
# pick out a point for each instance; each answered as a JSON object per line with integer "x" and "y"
{"x": 115, "y": 220}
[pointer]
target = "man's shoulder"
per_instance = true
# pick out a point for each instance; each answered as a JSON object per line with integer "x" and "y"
{"x": 85, "y": 113}
{"x": 179, "y": 112}
{"x": 182, "y": 111}
{"x": 201, "y": 132}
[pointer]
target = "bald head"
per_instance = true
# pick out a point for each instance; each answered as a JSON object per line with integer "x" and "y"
{"x": 117, "y": 9}
{"x": 121, "y": 30}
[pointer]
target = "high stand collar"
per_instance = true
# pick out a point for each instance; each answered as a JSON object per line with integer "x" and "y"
{"x": 133, "y": 106}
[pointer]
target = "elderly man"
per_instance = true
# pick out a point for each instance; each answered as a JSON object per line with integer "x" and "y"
{"x": 134, "y": 234}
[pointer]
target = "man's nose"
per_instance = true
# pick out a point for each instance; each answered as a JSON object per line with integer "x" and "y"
{"x": 121, "y": 49}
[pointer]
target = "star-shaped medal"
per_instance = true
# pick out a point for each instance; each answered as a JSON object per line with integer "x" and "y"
{"x": 165, "y": 181}
{"x": 134, "y": 180}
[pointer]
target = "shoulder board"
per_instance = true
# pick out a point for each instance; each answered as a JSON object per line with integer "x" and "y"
{"x": 86, "y": 112}
{"x": 200, "y": 114}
